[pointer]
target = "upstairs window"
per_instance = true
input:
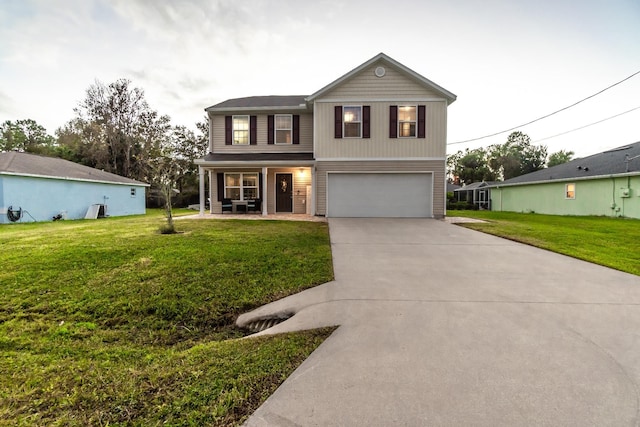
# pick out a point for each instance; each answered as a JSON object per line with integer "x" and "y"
{"x": 284, "y": 128}
{"x": 570, "y": 191}
{"x": 407, "y": 121}
{"x": 240, "y": 130}
{"x": 352, "y": 122}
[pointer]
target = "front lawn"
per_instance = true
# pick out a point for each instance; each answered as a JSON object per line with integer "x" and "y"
{"x": 109, "y": 322}
{"x": 612, "y": 242}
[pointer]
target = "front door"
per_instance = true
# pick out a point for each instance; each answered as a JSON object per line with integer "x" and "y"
{"x": 284, "y": 192}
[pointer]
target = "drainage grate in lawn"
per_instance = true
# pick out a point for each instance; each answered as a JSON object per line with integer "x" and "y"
{"x": 266, "y": 323}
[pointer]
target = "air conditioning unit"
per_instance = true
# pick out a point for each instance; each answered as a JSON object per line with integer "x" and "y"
{"x": 625, "y": 192}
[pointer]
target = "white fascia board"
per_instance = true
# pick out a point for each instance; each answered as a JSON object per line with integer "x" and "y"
{"x": 66, "y": 178}
{"x": 377, "y": 159}
{"x": 364, "y": 99}
{"x": 551, "y": 181}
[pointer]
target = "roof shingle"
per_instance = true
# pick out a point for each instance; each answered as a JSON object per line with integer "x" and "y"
{"x": 31, "y": 164}
{"x": 610, "y": 162}
{"x": 271, "y": 101}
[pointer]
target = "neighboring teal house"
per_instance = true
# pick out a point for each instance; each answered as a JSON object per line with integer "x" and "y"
{"x": 38, "y": 188}
{"x": 605, "y": 184}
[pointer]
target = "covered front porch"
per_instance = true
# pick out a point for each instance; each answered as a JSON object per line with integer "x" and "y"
{"x": 265, "y": 187}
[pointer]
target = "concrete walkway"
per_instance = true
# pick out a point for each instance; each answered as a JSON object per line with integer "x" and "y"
{"x": 445, "y": 326}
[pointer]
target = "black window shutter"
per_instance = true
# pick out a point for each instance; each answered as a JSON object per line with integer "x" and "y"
{"x": 228, "y": 130}
{"x": 259, "y": 186}
{"x": 393, "y": 121}
{"x": 270, "y": 128}
{"x": 220, "y": 186}
{"x": 338, "y": 124}
{"x": 366, "y": 119}
{"x": 296, "y": 129}
{"x": 421, "y": 121}
{"x": 253, "y": 130}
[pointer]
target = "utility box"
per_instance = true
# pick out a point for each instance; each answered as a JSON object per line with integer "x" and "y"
{"x": 625, "y": 192}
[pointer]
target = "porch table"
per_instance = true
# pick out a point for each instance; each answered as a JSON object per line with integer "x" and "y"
{"x": 239, "y": 206}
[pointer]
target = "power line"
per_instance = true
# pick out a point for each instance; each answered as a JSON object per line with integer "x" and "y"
{"x": 590, "y": 124}
{"x": 547, "y": 115}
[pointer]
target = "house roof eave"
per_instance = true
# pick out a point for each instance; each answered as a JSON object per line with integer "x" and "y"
{"x": 581, "y": 178}
{"x": 450, "y": 97}
{"x": 254, "y": 164}
{"x": 212, "y": 109}
{"x": 67, "y": 178}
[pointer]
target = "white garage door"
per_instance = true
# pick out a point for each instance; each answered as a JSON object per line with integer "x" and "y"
{"x": 364, "y": 195}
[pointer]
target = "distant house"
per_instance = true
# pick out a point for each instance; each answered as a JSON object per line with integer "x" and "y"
{"x": 451, "y": 187}
{"x": 37, "y": 188}
{"x": 370, "y": 144}
{"x": 606, "y": 184}
{"x": 477, "y": 193}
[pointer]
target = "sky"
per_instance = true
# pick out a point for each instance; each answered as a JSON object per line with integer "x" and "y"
{"x": 509, "y": 62}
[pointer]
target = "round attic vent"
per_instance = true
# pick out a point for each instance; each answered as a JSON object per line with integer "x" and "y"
{"x": 379, "y": 71}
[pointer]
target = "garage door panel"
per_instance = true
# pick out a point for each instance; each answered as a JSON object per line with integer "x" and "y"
{"x": 379, "y": 195}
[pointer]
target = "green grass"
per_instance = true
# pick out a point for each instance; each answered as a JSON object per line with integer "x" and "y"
{"x": 611, "y": 242}
{"x": 109, "y": 322}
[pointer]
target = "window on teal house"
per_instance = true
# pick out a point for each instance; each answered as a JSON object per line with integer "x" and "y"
{"x": 570, "y": 191}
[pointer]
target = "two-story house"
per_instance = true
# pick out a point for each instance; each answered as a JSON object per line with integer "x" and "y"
{"x": 370, "y": 144}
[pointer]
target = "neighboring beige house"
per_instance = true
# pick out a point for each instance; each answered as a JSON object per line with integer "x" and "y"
{"x": 370, "y": 144}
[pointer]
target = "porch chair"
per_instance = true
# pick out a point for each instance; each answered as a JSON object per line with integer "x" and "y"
{"x": 227, "y": 206}
{"x": 254, "y": 205}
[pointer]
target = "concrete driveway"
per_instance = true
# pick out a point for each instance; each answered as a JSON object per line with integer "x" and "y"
{"x": 444, "y": 326}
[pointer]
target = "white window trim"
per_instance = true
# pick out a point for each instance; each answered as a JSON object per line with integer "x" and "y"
{"x": 275, "y": 129}
{"x": 241, "y": 187}
{"x": 233, "y": 129}
{"x": 407, "y": 121}
{"x": 344, "y": 121}
{"x": 566, "y": 191}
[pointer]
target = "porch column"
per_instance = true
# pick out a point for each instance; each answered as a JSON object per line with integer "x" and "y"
{"x": 264, "y": 190}
{"x": 201, "y": 189}
{"x": 313, "y": 190}
{"x": 210, "y": 196}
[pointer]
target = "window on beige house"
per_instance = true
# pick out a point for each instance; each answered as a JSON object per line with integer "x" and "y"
{"x": 352, "y": 119}
{"x": 240, "y": 130}
{"x": 407, "y": 121}
{"x": 284, "y": 128}
{"x": 241, "y": 186}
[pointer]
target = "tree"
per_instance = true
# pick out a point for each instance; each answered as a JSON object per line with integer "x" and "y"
{"x": 25, "y": 136}
{"x": 123, "y": 128}
{"x": 166, "y": 171}
{"x": 471, "y": 166}
{"x": 516, "y": 157}
{"x": 559, "y": 157}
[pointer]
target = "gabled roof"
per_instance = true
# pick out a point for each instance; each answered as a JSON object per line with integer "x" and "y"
{"x": 450, "y": 97}
{"x": 261, "y": 102}
{"x": 452, "y": 187}
{"x": 621, "y": 160}
{"x": 475, "y": 185}
{"x": 25, "y": 164}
